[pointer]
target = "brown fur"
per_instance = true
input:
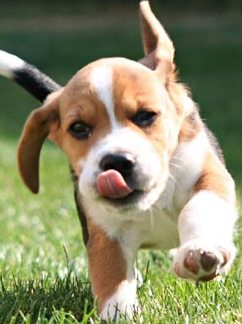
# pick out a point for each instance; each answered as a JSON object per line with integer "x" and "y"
{"x": 35, "y": 131}
{"x": 135, "y": 91}
{"x": 107, "y": 263}
{"x": 216, "y": 178}
{"x": 191, "y": 126}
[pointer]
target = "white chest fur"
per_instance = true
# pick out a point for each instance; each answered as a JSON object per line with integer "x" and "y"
{"x": 156, "y": 226}
{"x": 155, "y": 230}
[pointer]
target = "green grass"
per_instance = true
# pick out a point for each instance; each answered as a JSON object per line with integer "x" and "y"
{"x": 43, "y": 268}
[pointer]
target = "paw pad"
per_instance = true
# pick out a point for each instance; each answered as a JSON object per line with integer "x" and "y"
{"x": 205, "y": 264}
{"x": 201, "y": 261}
{"x": 191, "y": 264}
{"x": 208, "y": 261}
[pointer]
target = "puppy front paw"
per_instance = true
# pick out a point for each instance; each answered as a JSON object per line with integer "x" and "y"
{"x": 114, "y": 308}
{"x": 123, "y": 302}
{"x": 201, "y": 261}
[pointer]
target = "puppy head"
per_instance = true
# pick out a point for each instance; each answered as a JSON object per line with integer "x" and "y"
{"x": 116, "y": 122}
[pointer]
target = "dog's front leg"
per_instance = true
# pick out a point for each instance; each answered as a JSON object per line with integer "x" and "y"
{"x": 206, "y": 228}
{"x": 112, "y": 275}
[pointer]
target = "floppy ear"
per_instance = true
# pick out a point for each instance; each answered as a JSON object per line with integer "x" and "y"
{"x": 36, "y": 129}
{"x": 158, "y": 47}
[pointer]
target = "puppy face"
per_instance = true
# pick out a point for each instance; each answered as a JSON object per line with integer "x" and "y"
{"x": 113, "y": 119}
{"x": 118, "y": 123}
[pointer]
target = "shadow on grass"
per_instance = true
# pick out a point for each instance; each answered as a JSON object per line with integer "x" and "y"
{"x": 41, "y": 299}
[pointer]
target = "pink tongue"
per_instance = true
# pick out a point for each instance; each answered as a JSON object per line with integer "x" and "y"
{"x": 111, "y": 184}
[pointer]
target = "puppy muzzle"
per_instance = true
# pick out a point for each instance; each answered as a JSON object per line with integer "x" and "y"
{"x": 116, "y": 176}
{"x": 120, "y": 181}
{"x": 123, "y": 170}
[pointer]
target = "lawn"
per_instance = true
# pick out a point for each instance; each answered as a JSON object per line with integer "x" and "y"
{"x": 44, "y": 275}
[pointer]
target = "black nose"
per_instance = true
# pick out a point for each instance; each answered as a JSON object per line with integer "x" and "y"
{"x": 121, "y": 163}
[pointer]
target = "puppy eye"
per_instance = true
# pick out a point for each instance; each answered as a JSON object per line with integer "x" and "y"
{"x": 80, "y": 130}
{"x": 144, "y": 118}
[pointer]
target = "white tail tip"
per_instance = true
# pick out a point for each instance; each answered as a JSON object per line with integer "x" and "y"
{"x": 9, "y": 63}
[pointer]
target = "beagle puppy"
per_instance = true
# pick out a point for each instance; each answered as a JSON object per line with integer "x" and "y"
{"x": 147, "y": 172}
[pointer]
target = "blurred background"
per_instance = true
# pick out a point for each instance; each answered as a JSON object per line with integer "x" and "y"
{"x": 61, "y": 36}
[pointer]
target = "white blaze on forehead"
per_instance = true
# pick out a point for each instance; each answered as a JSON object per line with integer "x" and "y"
{"x": 102, "y": 82}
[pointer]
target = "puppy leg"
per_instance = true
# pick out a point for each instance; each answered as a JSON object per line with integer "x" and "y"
{"x": 206, "y": 228}
{"x": 112, "y": 275}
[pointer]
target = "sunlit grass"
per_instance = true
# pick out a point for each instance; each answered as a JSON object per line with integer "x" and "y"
{"x": 43, "y": 266}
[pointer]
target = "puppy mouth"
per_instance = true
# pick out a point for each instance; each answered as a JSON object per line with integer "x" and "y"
{"x": 112, "y": 186}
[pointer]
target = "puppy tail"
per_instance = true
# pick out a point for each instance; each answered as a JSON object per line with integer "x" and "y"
{"x": 26, "y": 75}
